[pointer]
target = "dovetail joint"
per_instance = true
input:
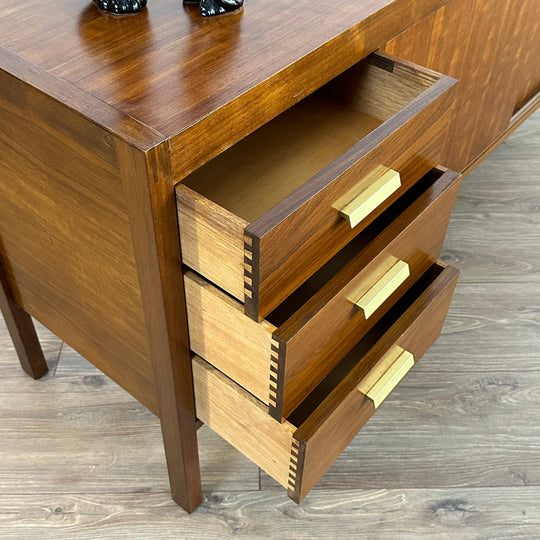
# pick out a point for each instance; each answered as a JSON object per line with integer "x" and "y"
{"x": 293, "y": 465}
{"x": 248, "y": 266}
{"x": 274, "y": 373}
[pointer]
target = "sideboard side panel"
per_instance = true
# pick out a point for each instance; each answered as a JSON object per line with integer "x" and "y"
{"x": 65, "y": 233}
{"x": 492, "y": 47}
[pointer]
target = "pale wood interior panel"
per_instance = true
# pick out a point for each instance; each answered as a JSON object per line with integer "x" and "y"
{"x": 65, "y": 235}
{"x": 221, "y": 333}
{"x": 209, "y": 233}
{"x": 261, "y": 170}
{"x": 242, "y": 420}
{"x": 378, "y": 92}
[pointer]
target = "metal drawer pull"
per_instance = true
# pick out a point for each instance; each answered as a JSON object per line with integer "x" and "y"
{"x": 383, "y": 288}
{"x": 375, "y": 189}
{"x": 386, "y": 374}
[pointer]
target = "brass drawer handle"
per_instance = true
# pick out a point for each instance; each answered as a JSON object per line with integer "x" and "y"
{"x": 386, "y": 374}
{"x": 374, "y": 190}
{"x": 383, "y": 288}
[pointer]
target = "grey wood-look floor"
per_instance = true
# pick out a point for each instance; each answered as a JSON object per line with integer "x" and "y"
{"x": 454, "y": 453}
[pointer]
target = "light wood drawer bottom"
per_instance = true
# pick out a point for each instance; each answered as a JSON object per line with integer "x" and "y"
{"x": 298, "y": 451}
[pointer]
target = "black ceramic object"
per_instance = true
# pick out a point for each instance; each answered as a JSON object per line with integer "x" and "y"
{"x": 209, "y": 8}
{"x": 120, "y": 7}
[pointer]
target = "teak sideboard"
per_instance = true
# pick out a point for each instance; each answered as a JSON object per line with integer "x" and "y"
{"x": 239, "y": 219}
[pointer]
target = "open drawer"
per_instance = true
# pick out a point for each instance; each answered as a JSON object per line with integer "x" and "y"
{"x": 263, "y": 216}
{"x": 298, "y": 451}
{"x": 281, "y": 359}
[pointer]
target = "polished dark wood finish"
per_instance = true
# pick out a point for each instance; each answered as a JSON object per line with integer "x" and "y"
{"x": 101, "y": 116}
{"x": 87, "y": 210}
{"x": 291, "y": 241}
{"x": 150, "y": 195}
{"x": 21, "y": 329}
{"x": 192, "y": 78}
{"x": 65, "y": 228}
{"x": 341, "y": 414}
{"x": 327, "y": 326}
{"x": 494, "y": 54}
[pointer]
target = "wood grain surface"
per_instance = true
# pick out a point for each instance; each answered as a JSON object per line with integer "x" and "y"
{"x": 146, "y": 177}
{"x": 65, "y": 228}
{"x": 340, "y": 415}
{"x": 184, "y": 75}
{"x": 495, "y": 56}
{"x": 464, "y": 514}
{"x": 220, "y": 333}
{"x": 334, "y": 412}
{"x": 452, "y": 453}
{"x": 327, "y": 326}
{"x": 303, "y": 231}
{"x": 319, "y": 324}
{"x": 287, "y": 180}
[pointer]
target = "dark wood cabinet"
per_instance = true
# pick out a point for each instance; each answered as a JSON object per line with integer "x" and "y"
{"x": 239, "y": 219}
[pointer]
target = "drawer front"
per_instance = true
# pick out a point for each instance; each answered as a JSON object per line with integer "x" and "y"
{"x": 335, "y": 422}
{"x": 263, "y": 216}
{"x": 291, "y": 241}
{"x": 298, "y": 451}
{"x": 286, "y": 356}
{"x": 323, "y": 330}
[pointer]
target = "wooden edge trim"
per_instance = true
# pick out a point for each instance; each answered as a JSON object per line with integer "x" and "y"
{"x": 119, "y": 124}
{"x": 276, "y": 215}
{"x": 277, "y": 378}
{"x": 430, "y": 295}
{"x": 407, "y": 65}
{"x": 190, "y": 199}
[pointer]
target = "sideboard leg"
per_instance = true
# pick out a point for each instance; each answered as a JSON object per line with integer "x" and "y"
{"x": 22, "y": 330}
{"x": 152, "y": 206}
{"x": 179, "y": 428}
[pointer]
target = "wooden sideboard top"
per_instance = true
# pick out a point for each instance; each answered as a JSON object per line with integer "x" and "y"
{"x": 188, "y": 78}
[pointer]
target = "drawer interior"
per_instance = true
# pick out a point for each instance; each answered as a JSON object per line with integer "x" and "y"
{"x": 298, "y": 451}
{"x": 257, "y": 173}
{"x": 357, "y": 357}
{"x": 219, "y": 328}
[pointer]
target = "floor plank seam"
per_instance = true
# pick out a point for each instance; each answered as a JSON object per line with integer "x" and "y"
{"x": 55, "y": 368}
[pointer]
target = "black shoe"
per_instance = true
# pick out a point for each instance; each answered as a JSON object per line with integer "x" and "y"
{"x": 209, "y": 8}
{"x": 120, "y": 7}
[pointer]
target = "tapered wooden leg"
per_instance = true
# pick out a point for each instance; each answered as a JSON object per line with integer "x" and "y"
{"x": 22, "y": 330}
{"x": 157, "y": 251}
